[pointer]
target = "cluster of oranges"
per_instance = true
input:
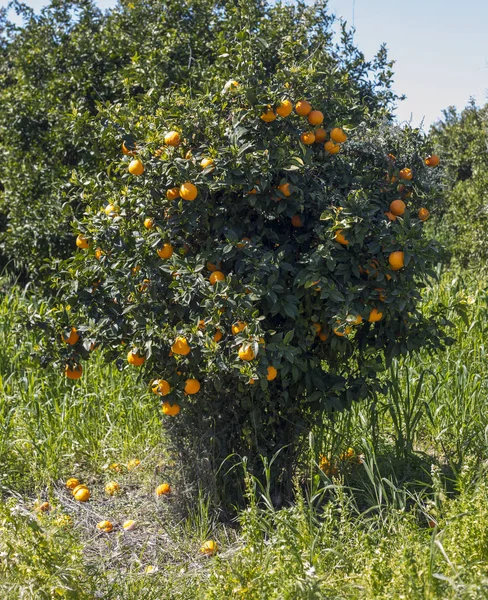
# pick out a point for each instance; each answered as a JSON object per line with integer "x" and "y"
{"x": 331, "y": 467}
{"x": 81, "y": 493}
{"x": 315, "y": 118}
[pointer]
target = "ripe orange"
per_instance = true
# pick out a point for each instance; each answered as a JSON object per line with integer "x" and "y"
{"x": 127, "y": 151}
{"x": 272, "y": 373}
{"x": 216, "y": 276}
{"x": 423, "y": 214}
{"x": 323, "y": 336}
{"x": 128, "y": 525}
{"x": 133, "y": 358}
{"x": 342, "y": 331}
{"x": 320, "y": 135}
{"x": 180, "y": 346}
{"x": 296, "y": 221}
{"x": 332, "y": 147}
{"x": 73, "y": 373}
{"x": 98, "y": 253}
{"x": 315, "y": 117}
{"x": 112, "y": 488}
{"x": 82, "y": 242}
{"x": 211, "y": 267}
{"x": 356, "y": 320}
{"x": 238, "y": 327}
{"x": 284, "y": 109}
{"x": 338, "y": 135}
{"x": 163, "y": 387}
{"x": 105, "y": 526}
{"x": 207, "y": 163}
{"x": 136, "y": 167}
{"x": 244, "y": 242}
{"x": 397, "y": 207}
{"x": 303, "y": 108}
{"x": 170, "y": 409}
{"x": 269, "y": 116}
{"x": 163, "y": 490}
{"x": 173, "y": 193}
{"x": 339, "y": 237}
{"x": 285, "y": 189}
{"x": 188, "y": 191}
{"x": 396, "y": 260}
{"x": 406, "y": 174}
{"x": 432, "y": 161}
{"x": 308, "y": 138}
{"x": 209, "y": 548}
{"x": 82, "y": 495}
{"x": 44, "y": 507}
{"x": 72, "y": 483}
{"x": 116, "y": 467}
{"x": 246, "y": 353}
{"x": 218, "y": 335}
{"x": 390, "y": 216}
{"x": 72, "y": 338}
{"x": 133, "y": 463}
{"x": 111, "y": 211}
{"x": 375, "y": 315}
{"x": 166, "y": 251}
{"x": 192, "y": 386}
{"x": 172, "y": 138}
{"x": 148, "y": 223}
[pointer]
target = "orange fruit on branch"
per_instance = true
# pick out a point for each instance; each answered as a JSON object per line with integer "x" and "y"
{"x": 82, "y": 242}
{"x": 432, "y": 161}
{"x": 396, "y": 260}
{"x": 188, "y": 191}
{"x": 338, "y": 135}
{"x": 192, "y": 386}
{"x": 180, "y": 346}
{"x": 332, "y": 147}
{"x": 269, "y": 115}
{"x": 284, "y": 109}
{"x": 406, "y": 174}
{"x": 320, "y": 135}
{"x": 166, "y": 251}
{"x": 246, "y": 353}
{"x": 136, "y": 167}
{"x": 216, "y": 276}
{"x": 73, "y": 373}
{"x": 72, "y": 338}
{"x": 340, "y": 238}
{"x": 135, "y": 359}
{"x": 307, "y": 138}
{"x": 170, "y": 409}
{"x": 397, "y": 207}
{"x": 172, "y": 138}
{"x": 423, "y": 214}
{"x": 303, "y": 108}
{"x": 315, "y": 117}
{"x": 173, "y": 193}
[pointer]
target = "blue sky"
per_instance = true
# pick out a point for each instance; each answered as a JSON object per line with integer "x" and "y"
{"x": 440, "y": 48}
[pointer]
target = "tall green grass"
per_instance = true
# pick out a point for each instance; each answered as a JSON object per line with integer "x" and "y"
{"x": 404, "y": 517}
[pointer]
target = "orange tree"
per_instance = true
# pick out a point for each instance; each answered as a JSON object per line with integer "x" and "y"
{"x": 254, "y": 245}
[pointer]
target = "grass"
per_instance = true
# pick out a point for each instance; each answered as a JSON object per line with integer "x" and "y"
{"x": 405, "y": 517}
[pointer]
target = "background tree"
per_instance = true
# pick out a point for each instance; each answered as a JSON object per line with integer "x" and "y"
{"x": 462, "y": 219}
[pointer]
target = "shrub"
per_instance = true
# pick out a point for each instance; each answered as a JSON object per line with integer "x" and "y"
{"x": 265, "y": 287}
